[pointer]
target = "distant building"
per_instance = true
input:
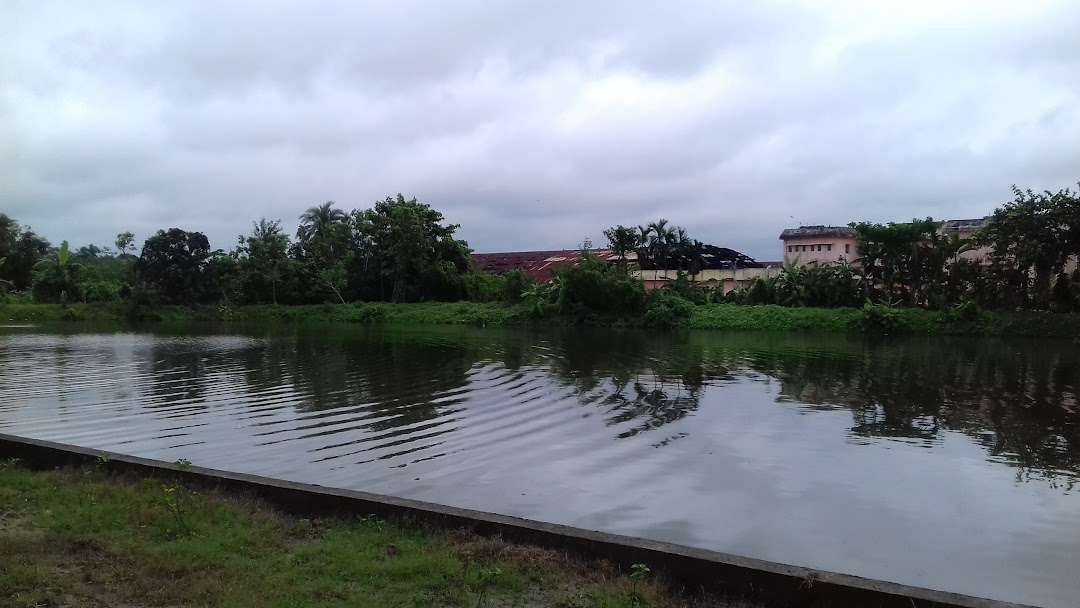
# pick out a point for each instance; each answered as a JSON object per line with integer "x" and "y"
{"x": 538, "y": 265}
{"x": 823, "y": 244}
{"x": 965, "y": 229}
{"x": 719, "y": 267}
{"x": 828, "y": 244}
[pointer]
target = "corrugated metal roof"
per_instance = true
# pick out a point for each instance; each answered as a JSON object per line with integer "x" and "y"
{"x": 540, "y": 265}
{"x": 964, "y": 225}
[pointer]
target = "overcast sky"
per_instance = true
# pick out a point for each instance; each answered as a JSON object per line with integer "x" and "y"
{"x": 532, "y": 124}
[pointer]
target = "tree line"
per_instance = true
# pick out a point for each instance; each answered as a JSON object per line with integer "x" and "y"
{"x": 1031, "y": 242}
{"x": 397, "y": 250}
{"x": 401, "y": 250}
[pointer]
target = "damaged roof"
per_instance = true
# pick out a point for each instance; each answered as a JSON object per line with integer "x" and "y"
{"x": 818, "y": 232}
{"x": 540, "y": 265}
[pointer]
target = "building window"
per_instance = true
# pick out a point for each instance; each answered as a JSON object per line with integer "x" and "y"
{"x": 829, "y": 246}
{"x": 789, "y": 248}
{"x": 847, "y": 247}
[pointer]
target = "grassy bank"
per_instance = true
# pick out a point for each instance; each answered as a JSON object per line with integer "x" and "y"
{"x": 880, "y": 319}
{"x": 83, "y": 537}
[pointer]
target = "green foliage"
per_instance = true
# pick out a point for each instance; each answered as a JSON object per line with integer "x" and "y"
{"x": 591, "y": 287}
{"x": 1032, "y": 239}
{"x": 904, "y": 263}
{"x": 124, "y": 242}
{"x": 623, "y": 241}
{"x": 515, "y": 284}
{"x": 484, "y": 287}
{"x": 817, "y": 285}
{"x": 668, "y": 309}
{"x": 57, "y": 281}
{"x": 882, "y": 318}
{"x": 21, "y": 250}
{"x": 175, "y": 264}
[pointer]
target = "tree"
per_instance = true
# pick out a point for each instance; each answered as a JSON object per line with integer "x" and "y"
{"x": 22, "y": 249}
{"x": 1034, "y": 236}
{"x": 89, "y": 251}
{"x": 57, "y": 280}
{"x": 319, "y": 221}
{"x": 406, "y": 243}
{"x": 175, "y": 264}
{"x": 263, "y": 260}
{"x": 904, "y": 260}
{"x": 621, "y": 241}
{"x": 661, "y": 238}
{"x": 125, "y": 241}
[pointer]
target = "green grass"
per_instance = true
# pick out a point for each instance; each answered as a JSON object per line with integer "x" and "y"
{"x": 773, "y": 318}
{"x": 424, "y": 313}
{"x": 845, "y": 320}
{"x": 712, "y": 316}
{"x": 82, "y": 537}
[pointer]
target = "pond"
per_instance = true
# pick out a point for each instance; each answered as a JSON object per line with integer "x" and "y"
{"x": 944, "y": 463}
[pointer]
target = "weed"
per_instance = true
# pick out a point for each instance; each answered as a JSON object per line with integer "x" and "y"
{"x": 488, "y": 576}
{"x": 173, "y": 499}
{"x": 639, "y": 573}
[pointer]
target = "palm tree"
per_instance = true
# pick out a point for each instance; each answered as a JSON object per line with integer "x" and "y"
{"x": 695, "y": 254}
{"x": 317, "y": 221}
{"x": 661, "y": 238}
{"x": 268, "y": 230}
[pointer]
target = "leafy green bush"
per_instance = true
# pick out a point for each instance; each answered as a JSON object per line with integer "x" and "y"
{"x": 365, "y": 313}
{"x": 16, "y": 297}
{"x": 668, "y": 309}
{"x": 484, "y": 287}
{"x": 516, "y": 282}
{"x": 882, "y": 319}
{"x": 592, "y": 287}
{"x": 100, "y": 291}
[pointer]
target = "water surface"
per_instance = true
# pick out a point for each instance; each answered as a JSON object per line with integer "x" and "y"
{"x": 944, "y": 463}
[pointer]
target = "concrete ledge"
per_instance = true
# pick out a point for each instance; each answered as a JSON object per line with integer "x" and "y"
{"x": 694, "y": 568}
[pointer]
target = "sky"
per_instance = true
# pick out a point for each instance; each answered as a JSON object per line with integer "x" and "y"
{"x": 532, "y": 124}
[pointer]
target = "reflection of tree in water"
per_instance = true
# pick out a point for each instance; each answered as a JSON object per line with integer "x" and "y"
{"x": 177, "y": 374}
{"x": 635, "y": 377}
{"x": 1017, "y": 399}
{"x": 392, "y": 379}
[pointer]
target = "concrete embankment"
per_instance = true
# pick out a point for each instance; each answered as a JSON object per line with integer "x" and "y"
{"x": 694, "y": 568}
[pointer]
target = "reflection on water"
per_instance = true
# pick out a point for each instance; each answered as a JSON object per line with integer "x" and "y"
{"x": 947, "y": 463}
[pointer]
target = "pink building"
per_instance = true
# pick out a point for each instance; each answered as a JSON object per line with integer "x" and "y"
{"x": 823, "y": 244}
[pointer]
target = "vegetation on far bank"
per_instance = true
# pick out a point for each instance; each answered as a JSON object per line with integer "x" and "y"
{"x": 766, "y": 317}
{"x": 76, "y": 537}
{"x": 906, "y": 278}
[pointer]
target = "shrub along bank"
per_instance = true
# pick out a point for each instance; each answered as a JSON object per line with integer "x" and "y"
{"x": 663, "y": 311}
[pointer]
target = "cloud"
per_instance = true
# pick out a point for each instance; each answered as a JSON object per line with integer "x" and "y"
{"x": 532, "y": 124}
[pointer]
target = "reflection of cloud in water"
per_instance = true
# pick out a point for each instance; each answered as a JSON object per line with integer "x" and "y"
{"x": 794, "y": 448}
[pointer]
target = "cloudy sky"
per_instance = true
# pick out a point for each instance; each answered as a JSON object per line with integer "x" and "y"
{"x": 532, "y": 124}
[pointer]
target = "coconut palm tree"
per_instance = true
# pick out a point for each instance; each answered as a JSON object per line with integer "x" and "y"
{"x": 317, "y": 221}
{"x": 661, "y": 238}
